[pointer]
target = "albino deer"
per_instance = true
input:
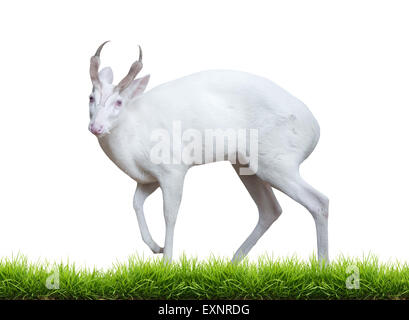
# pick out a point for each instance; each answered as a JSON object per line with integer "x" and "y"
{"x": 124, "y": 119}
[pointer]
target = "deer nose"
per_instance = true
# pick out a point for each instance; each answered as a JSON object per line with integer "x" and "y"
{"x": 96, "y": 128}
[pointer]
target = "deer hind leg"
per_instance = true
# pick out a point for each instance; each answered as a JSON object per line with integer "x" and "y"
{"x": 268, "y": 208}
{"x": 142, "y": 192}
{"x": 289, "y": 181}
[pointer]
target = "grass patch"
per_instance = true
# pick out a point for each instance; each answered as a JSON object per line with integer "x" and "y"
{"x": 215, "y": 278}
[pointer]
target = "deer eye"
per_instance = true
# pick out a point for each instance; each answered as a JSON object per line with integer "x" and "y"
{"x": 118, "y": 103}
{"x": 91, "y": 99}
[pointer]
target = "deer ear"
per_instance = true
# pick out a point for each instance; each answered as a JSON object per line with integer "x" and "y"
{"x": 106, "y": 75}
{"x": 137, "y": 86}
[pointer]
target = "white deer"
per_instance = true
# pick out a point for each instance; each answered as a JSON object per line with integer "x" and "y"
{"x": 124, "y": 119}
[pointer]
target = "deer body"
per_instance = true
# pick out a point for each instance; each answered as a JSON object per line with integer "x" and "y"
{"x": 218, "y": 99}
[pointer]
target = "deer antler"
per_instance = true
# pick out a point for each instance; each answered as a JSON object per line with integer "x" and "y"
{"x": 133, "y": 71}
{"x": 94, "y": 66}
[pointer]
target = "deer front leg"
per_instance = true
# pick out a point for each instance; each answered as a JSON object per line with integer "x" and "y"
{"x": 172, "y": 190}
{"x": 142, "y": 192}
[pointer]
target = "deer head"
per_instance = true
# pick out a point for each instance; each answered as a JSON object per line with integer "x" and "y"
{"x": 107, "y": 100}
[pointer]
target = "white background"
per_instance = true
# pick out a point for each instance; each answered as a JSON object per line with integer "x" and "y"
{"x": 62, "y": 198}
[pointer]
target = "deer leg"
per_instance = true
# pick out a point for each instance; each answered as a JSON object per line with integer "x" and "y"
{"x": 142, "y": 192}
{"x": 291, "y": 183}
{"x": 268, "y": 208}
{"x": 172, "y": 189}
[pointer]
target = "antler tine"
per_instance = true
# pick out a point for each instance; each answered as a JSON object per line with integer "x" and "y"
{"x": 140, "y": 54}
{"x": 98, "y": 52}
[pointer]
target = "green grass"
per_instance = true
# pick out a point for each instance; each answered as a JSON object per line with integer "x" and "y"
{"x": 213, "y": 279}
